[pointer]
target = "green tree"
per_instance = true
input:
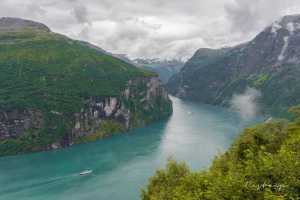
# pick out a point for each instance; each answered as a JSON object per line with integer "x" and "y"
{"x": 263, "y": 163}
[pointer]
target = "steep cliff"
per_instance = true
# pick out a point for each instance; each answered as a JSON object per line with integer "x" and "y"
{"x": 55, "y": 91}
{"x": 269, "y": 63}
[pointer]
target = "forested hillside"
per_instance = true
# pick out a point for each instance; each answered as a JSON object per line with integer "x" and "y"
{"x": 55, "y": 91}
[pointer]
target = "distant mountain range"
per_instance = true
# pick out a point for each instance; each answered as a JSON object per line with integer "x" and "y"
{"x": 270, "y": 63}
{"x": 164, "y": 68}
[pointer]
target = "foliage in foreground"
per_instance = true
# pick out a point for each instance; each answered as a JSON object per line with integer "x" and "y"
{"x": 263, "y": 163}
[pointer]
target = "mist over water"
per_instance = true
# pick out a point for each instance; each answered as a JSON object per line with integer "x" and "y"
{"x": 122, "y": 164}
{"x": 246, "y": 103}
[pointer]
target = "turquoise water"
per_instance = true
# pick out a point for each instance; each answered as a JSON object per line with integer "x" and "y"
{"x": 122, "y": 164}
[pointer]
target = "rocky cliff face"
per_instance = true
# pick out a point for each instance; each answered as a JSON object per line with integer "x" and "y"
{"x": 15, "y": 123}
{"x": 269, "y": 63}
{"x": 144, "y": 100}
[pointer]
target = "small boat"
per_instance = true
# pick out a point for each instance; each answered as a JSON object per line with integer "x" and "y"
{"x": 85, "y": 172}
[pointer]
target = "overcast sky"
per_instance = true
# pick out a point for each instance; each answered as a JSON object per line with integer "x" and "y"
{"x": 154, "y": 28}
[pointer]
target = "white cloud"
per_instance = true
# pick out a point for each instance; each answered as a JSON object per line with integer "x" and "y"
{"x": 250, "y": 16}
{"x": 246, "y": 103}
{"x": 156, "y": 28}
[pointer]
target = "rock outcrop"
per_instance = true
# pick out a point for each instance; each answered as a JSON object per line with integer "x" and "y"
{"x": 128, "y": 110}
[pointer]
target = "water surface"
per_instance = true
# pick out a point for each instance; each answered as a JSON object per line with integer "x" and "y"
{"x": 121, "y": 165}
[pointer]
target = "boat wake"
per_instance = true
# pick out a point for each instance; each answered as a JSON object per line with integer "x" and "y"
{"x": 45, "y": 182}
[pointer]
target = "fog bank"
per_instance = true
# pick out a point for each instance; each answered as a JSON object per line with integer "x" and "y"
{"x": 246, "y": 103}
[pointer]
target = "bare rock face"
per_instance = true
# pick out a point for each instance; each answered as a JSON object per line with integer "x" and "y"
{"x": 16, "y": 123}
{"x": 16, "y": 24}
{"x": 97, "y": 110}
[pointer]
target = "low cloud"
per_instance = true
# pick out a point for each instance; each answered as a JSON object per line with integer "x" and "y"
{"x": 246, "y": 104}
{"x": 80, "y": 12}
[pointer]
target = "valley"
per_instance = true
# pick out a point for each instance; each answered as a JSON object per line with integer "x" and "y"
{"x": 140, "y": 120}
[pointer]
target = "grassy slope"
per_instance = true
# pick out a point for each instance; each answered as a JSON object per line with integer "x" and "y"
{"x": 263, "y": 163}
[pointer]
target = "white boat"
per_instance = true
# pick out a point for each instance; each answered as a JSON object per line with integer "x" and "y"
{"x": 85, "y": 172}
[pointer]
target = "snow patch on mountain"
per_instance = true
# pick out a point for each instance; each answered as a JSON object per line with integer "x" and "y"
{"x": 284, "y": 48}
{"x": 275, "y": 27}
{"x": 291, "y": 28}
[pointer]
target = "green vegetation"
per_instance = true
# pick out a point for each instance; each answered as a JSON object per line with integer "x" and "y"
{"x": 260, "y": 80}
{"x": 29, "y": 142}
{"x": 263, "y": 163}
{"x": 50, "y": 73}
{"x": 108, "y": 128}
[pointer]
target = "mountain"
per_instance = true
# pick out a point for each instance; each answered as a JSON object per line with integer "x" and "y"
{"x": 55, "y": 91}
{"x": 164, "y": 68}
{"x": 269, "y": 63}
